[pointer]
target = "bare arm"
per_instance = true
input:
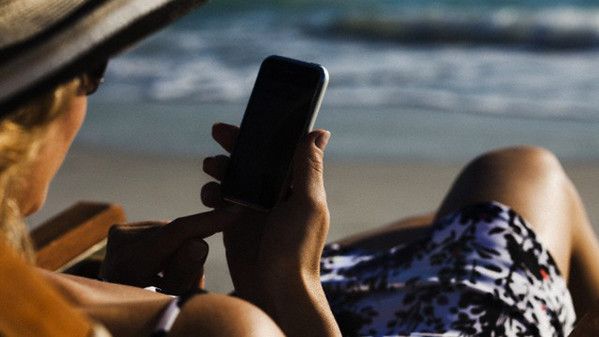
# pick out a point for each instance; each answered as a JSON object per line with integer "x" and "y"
{"x": 301, "y": 308}
{"x": 274, "y": 257}
{"x": 129, "y": 311}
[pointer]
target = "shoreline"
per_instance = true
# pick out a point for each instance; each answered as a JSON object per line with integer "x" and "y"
{"x": 361, "y": 195}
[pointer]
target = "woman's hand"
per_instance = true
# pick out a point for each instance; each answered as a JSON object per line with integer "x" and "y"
{"x": 274, "y": 257}
{"x": 169, "y": 256}
{"x": 287, "y": 241}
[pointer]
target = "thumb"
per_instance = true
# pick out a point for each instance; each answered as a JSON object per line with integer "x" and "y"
{"x": 308, "y": 164}
{"x": 185, "y": 268}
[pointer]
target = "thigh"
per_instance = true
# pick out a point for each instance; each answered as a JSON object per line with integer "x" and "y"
{"x": 532, "y": 182}
{"x": 400, "y": 232}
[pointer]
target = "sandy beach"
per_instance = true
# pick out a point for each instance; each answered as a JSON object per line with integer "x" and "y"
{"x": 361, "y": 195}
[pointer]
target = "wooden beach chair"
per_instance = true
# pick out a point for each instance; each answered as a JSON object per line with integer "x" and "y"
{"x": 73, "y": 241}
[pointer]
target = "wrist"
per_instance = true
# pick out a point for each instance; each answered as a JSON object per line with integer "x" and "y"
{"x": 289, "y": 268}
{"x": 289, "y": 283}
{"x": 297, "y": 303}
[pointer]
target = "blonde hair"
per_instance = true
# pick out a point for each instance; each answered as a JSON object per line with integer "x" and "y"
{"x": 21, "y": 134}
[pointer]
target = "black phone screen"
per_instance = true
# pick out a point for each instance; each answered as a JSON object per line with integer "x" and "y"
{"x": 278, "y": 115}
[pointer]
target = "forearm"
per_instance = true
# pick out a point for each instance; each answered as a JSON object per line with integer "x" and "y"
{"x": 124, "y": 310}
{"x": 299, "y": 307}
{"x": 86, "y": 292}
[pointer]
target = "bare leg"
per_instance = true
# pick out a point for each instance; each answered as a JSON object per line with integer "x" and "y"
{"x": 391, "y": 235}
{"x": 532, "y": 182}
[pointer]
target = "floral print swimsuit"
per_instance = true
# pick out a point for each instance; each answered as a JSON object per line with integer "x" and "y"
{"x": 480, "y": 272}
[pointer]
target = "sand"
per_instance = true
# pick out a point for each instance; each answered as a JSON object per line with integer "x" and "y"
{"x": 360, "y": 195}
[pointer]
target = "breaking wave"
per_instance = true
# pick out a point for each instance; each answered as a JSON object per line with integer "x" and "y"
{"x": 550, "y": 28}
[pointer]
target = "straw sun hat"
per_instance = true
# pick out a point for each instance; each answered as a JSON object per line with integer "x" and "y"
{"x": 44, "y": 42}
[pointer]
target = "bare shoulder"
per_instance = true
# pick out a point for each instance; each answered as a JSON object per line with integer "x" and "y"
{"x": 220, "y": 315}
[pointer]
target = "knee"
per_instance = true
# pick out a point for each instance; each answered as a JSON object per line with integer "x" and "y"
{"x": 528, "y": 179}
{"x": 527, "y": 162}
{"x": 219, "y": 315}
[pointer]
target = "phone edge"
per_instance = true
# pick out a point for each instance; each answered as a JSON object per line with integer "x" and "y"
{"x": 323, "y": 87}
{"x": 320, "y": 99}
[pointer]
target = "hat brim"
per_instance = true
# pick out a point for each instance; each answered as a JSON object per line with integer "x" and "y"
{"x": 100, "y": 33}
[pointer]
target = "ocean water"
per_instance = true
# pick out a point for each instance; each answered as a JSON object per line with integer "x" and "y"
{"x": 410, "y": 80}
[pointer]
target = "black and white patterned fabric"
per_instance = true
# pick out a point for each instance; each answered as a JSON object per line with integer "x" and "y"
{"x": 481, "y": 272}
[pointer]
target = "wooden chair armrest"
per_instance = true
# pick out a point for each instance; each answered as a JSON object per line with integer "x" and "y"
{"x": 74, "y": 234}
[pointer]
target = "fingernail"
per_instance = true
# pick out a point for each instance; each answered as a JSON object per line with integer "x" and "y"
{"x": 323, "y": 139}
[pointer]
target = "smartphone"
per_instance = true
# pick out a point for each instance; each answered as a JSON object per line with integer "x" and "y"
{"x": 282, "y": 109}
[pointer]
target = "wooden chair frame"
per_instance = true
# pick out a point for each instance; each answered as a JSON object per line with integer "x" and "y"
{"x": 76, "y": 234}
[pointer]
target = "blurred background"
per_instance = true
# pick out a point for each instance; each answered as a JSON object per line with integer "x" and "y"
{"x": 410, "y": 79}
{"x": 417, "y": 88}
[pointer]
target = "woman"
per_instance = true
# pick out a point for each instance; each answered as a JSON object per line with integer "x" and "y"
{"x": 545, "y": 196}
{"x": 259, "y": 247}
{"x": 44, "y": 130}
{"x": 53, "y": 56}
{"x": 275, "y": 262}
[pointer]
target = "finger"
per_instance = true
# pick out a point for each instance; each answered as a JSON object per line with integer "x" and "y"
{"x": 130, "y": 257}
{"x": 199, "y": 225}
{"x": 211, "y": 195}
{"x": 225, "y": 135}
{"x": 216, "y": 166}
{"x": 136, "y": 227}
{"x": 185, "y": 269}
{"x": 308, "y": 166}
